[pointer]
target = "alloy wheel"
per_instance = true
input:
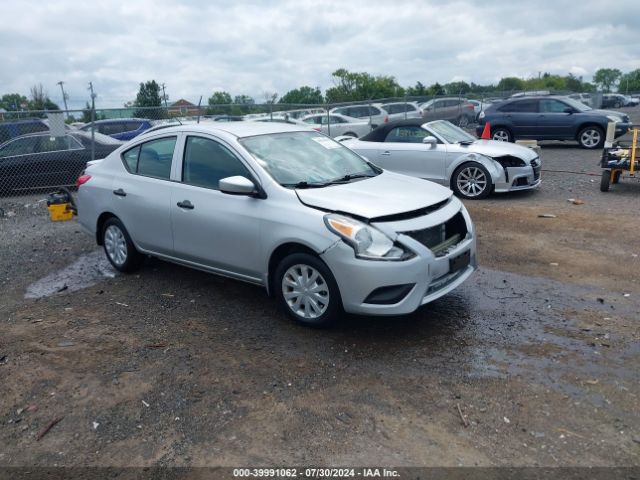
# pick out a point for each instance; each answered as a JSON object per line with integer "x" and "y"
{"x": 501, "y": 135}
{"x": 471, "y": 181}
{"x": 115, "y": 244}
{"x": 305, "y": 291}
{"x": 590, "y": 138}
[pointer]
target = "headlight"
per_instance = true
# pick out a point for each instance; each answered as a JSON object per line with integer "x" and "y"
{"x": 510, "y": 161}
{"x": 614, "y": 118}
{"x": 367, "y": 242}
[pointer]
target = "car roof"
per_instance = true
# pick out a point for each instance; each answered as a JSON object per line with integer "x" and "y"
{"x": 116, "y": 120}
{"x": 237, "y": 129}
{"x": 380, "y": 133}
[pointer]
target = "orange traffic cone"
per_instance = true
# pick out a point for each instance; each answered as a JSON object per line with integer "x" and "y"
{"x": 486, "y": 133}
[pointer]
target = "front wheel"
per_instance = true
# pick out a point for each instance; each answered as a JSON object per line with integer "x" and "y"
{"x": 307, "y": 290}
{"x": 121, "y": 252}
{"x": 463, "y": 121}
{"x": 501, "y": 134}
{"x": 472, "y": 181}
{"x": 591, "y": 137}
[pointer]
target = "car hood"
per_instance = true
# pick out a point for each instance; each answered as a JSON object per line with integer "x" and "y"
{"x": 494, "y": 149}
{"x": 386, "y": 194}
{"x": 606, "y": 112}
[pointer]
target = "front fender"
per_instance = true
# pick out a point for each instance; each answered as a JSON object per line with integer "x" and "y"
{"x": 494, "y": 168}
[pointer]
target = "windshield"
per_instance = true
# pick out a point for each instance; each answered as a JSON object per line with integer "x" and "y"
{"x": 299, "y": 158}
{"x": 581, "y": 107}
{"x": 449, "y": 132}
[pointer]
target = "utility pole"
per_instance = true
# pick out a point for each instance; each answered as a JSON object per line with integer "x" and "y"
{"x": 93, "y": 119}
{"x": 64, "y": 98}
{"x": 164, "y": 96}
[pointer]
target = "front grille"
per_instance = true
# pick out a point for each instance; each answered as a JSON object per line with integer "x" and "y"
{"x": 441, "y": 237}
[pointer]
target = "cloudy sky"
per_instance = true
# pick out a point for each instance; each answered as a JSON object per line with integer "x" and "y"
{"x": 249, "y": 47}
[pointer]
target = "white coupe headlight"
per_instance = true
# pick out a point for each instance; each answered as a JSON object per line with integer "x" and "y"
{"x": 368, "y": 242}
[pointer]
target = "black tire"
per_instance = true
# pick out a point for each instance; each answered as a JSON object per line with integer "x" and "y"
{"x": 327, "y": 284}
{"x": 463, "y": 121}
{"x": 616, "y": 177}
{"x": 501, "y": 134}
{"x": 114, "y": 245}
{"x": 467, "y": 187}
{"x": 617, "y": 105}
{"x": 591, "y": 137}
{"x": 604, "y": 180}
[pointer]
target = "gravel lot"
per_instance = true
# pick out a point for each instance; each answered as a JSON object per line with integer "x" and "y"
{"x": 534, "y": 361}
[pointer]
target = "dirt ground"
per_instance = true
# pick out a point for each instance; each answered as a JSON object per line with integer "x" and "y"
{"x": 534, "y": 362}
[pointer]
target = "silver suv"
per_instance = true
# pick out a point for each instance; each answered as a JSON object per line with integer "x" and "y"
{"x": 374, "y": 113}
{"x": 322, "y": 229}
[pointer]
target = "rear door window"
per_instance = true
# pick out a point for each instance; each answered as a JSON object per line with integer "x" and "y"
{"x": 151, "y": 159}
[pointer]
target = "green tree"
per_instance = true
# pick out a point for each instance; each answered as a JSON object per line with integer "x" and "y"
{"x": 455, "y": 88}
{"x": 149, "y": 96}
{"x": 13, "y": 101}
{"x": 303, "y": 95}
{"x": 630, "y": 82}
{"x": 357, "y": 86}
{"x": 40, "y": 99}
{"x": 219, "y": 103}
{"x": 510, "y": 83}
{"x": 606, "y": 78}
{"x": 435, "y": 89}
{"x": 418, "y": 90}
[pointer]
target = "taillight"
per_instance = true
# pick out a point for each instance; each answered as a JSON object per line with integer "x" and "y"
{"x": 317, "y": 129}
{"x": 386, "y": 119}
{"x": 82, "y": 179}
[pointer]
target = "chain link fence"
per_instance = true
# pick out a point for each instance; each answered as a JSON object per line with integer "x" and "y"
{"x": 42, "y": 150}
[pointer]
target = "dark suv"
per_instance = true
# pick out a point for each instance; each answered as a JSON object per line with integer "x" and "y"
{"x": 551, "y": 118}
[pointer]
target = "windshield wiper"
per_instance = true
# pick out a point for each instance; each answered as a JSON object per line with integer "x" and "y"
{"x": 348, "y": 177}
{"x": 305, "y": 185}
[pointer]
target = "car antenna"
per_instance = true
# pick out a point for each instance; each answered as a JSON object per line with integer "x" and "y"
{"x": 199, "y": 102}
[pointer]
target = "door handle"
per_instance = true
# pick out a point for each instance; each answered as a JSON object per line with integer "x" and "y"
{"x": 186, "y": 204}
{"x": 120, "y": 192}
{"x": 386, "y": 154}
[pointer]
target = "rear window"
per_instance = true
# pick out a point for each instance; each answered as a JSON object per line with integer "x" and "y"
{"x": 523, "y": 106}
{"x": 151, "y": 159}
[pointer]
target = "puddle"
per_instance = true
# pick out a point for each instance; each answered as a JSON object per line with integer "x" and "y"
{"x": 85, "y": 272}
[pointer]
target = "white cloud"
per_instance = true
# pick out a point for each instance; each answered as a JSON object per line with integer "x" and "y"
{"x": 252, "y": 46}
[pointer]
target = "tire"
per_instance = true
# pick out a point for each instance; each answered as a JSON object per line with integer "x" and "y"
{"x": 591, "y": 137}
{"x": 463, "y": 121}
{"x": 501, "y": 134}
{"x": 119, "y": 248}
{"x": 325, "y": 307}
{"x": 472, "y": 181}
{"x": 604, "y": 180}
{"x": 617, "y": 105}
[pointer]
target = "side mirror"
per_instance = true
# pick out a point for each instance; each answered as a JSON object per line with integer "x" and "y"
{"x": 568, "y": 110}
{"x": 237, "y": 186}
{"x": 430, "y": 140}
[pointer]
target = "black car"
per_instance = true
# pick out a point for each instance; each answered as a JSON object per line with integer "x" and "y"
{"x": 40, "y": 160}
{"x": 550, "y": 118}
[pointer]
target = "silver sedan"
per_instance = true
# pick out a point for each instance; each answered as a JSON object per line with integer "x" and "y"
{"x": 441, "y": 152}
{"x": 283, "y": 207}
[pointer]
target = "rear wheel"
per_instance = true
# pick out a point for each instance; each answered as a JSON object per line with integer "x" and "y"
{"x": 501, "y": 134}
{"x": 616, "y": 177}
{"x": 472, "y": 181}
{"x": 307, "y": 290}
{"x": 591, "y": 137}
{"x": 463, "y": 121}
{"x": 604, "y": 180}
{"x": 617, "y": 105}
{"x": 121, "y": 252}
